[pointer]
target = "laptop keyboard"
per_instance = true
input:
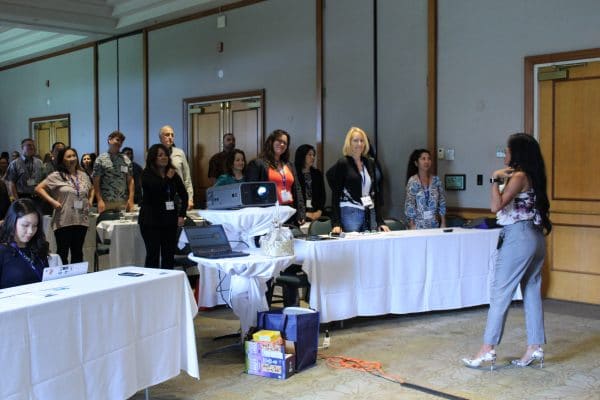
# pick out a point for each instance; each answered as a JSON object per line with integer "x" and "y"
{"x": 221, "y": 254}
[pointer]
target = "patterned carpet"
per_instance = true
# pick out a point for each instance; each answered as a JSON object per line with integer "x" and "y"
{"x": 421, "y": 349}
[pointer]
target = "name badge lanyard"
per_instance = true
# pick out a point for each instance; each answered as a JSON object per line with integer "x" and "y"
{"x": 308, "y": 184}
{"x": 363, "y": 178}
{"x": 283, "y": 180}
{"x": 169, "y": 204}
{"x": 28, "y": 259}
{"x": 29, "y": 170}
{"x": 425, "y": 192}
{"x": 75, "y": 183}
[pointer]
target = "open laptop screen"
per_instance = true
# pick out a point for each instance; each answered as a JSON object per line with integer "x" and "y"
{"x": 209, "y": 237}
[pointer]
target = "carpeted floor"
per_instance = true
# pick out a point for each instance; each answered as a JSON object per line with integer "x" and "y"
{"x": 421, "y": 349}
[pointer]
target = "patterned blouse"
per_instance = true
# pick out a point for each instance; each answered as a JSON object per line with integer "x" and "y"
{"x": 423, "y": 204}
{"x": 522, "y": 208}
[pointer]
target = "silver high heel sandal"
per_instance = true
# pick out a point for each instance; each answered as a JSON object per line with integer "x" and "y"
{"x": 537, "y": 355}
{"x": 489, "y": 357}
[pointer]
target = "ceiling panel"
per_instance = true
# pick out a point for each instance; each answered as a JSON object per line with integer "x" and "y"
{"x": 32, "y": 28}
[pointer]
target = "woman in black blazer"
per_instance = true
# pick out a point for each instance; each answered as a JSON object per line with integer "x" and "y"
{"x": 311, "y": 181}
{"x": 160, "y": 214}
{"x": 353, "y": 189}
{"x": 273, "y": 165}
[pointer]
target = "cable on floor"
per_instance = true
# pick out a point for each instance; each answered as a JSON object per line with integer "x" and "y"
{"x": 376, "y": 369}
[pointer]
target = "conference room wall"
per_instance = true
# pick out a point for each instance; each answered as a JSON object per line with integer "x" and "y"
{"x": 393, "y": 102}
{"x": 270, "y": 45}
{"x": 401, "y": 92}
{"x": 121, "y": 93}
{"x": 481, "y": 49}
{"x": 24, "y": 95}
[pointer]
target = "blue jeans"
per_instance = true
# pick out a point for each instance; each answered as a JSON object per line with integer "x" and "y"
{"x": 520, "y": 260}
{"x": 353, "y": 219}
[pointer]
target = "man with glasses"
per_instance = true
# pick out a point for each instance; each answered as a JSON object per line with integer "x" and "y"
{"x": 25, "y": 172}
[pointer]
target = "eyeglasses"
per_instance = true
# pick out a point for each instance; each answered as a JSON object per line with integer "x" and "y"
{"x": 281, "y": 142}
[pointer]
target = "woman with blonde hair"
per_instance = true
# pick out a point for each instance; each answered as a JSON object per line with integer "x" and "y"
{"x": 354, "y": 192}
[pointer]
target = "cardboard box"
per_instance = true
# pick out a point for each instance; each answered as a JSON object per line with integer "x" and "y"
{"x": 267, "y": 336}
{"x": 269, "y": 360}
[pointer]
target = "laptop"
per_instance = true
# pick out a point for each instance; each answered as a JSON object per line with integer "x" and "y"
{"x": 63, "y": 271}
{"x": 210, "y": 241}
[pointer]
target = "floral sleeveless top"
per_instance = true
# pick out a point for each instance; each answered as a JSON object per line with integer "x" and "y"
{"x": 522, "y": 208}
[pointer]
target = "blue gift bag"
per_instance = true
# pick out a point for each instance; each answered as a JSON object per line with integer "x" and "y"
{"x": 302, "y": 329}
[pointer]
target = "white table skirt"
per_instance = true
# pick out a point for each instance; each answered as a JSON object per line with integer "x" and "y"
{"x": 213, "y": 287}
{"x": 96, "y": 336}
{"x": 126, "y": 243}
{"x": 245, "y": 223}
{"x": 398, "y": 272}
{"x": 248, "y": 281}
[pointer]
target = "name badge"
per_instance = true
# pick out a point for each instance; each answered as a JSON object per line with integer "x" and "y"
{"x": 78, "y": 204}
{"x": 169, "y": 205}
{"x": 30, "y": 182}
{"x": 286, "y": 196}
{"x": 366, "y": 201}
{"x": 428, "y": 215}
{"x": 308, "y": 203}
{"x": 124, "y": 169}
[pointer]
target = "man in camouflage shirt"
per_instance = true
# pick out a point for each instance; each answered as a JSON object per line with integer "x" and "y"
{"x": 113, "y": 177}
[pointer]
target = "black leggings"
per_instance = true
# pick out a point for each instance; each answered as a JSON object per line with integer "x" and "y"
{"x": 70, "y": 238}
{"x": 160, "y": 243}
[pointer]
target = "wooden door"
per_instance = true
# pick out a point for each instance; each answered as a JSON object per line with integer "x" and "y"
{"x": 569, "y": 134}
{"x": 211, "y": 118}
{"x": 206, "y": 128}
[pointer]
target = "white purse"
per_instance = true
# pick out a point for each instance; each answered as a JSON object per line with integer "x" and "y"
{"x": 278, "y": 242}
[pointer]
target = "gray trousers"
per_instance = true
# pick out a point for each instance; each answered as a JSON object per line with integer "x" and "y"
{"x": 520, "y": 260}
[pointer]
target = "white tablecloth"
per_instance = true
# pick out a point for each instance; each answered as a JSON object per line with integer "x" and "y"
{"x": 248, "y": 282}
{"x": 244, "y": 224}
{"x": 96, "y": 336}
{"x": 213, "y": 286}
{"x": 398, "y": 272}
{"x": 126, "y": 243}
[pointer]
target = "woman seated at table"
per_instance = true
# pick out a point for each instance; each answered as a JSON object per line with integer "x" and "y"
{"x": 23, "y": 247}
{"x": 353, "y": 189}
{"x": 160, "y": 214}
{"x": 236, "y": 166}
{"x": 425, "y": 205}
{"x": 273, "y": 165}
{"x": 69, "y": 191}
{"x": 311, "y": 181}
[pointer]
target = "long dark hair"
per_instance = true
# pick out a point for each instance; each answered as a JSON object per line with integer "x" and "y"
{"x": 92, "y": 157}
{"x": 61, "y": 167}
{"x": 19, "y": 208}
{"x": 526, "y": 156}
{"x": 231, "y": 160}
{"x": 412, "y": 168}
{"x": 153, "y": 155}
{"x": 268, "y": 155}
{"x": 300, "y": 156}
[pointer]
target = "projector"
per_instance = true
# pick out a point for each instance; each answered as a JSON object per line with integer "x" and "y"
{"x": 239, "y": 195}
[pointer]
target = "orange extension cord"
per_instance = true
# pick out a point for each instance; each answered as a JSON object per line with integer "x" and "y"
{"x": 376, "y": 369}
{"x": 371, "y": 367}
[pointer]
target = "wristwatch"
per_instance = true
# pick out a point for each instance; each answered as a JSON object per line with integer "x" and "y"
{"x": 496, "y": 180}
